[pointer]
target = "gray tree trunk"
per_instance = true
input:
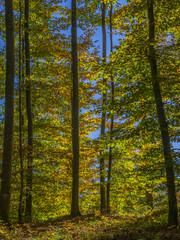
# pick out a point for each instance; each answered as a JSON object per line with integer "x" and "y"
{"x": 28, "y": 213}
{"x": 172, "y": 218}
{"x": 9, "y": 114}
{"x": 103, "y": 121}
{"x": 112, "y": 120}
{"x": 20, "y": 117}
{"x": 75, "y": 116}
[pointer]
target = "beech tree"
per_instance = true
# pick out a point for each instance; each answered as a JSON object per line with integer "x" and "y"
{"x": 103, "y": 121}
{"x": 172, "y": 218}
{"x": 9, "y": 114}
{"x": 112, "y": 116}
{"x": 67, "y": 93}
{"x": 29, "y": 175}
{"x": 75, "y": 115}
{"x": 20, "y": 210}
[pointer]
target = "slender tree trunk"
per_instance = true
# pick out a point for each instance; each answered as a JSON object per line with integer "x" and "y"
{"x": 9, "y": 115}
{"x": 28, "y": 212}
{"x": 112, "y": 120}
{"x": 103, "y": 122}
{"x": 75, "y": 117}
{"x": 20, "y": 118}
{"x": 172, "y": 218}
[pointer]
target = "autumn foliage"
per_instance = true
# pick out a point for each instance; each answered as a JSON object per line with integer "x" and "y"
{"x": 138, "y": 183}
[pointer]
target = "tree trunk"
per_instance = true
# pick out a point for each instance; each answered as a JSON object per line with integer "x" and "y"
{"x": 172, "y": 218}
{"x": 112, "y": 120}
{"x": 103, "y": 122}
{"x": 29, "y": 117}
{"x": 20, "y": 119}
{"x": 75, "y": 117}
{"x": 9, "y": 114}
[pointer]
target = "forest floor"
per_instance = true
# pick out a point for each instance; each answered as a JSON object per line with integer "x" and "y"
{"x": 107, "y": 227}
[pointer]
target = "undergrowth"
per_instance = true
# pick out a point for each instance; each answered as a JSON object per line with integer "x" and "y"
{"x": 107, "y": 227}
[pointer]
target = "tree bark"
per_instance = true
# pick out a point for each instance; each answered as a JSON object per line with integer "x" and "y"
{"x": 112, "y": 120}
{"x": 9, "y": 114}
{"x": 172, "y": 217}
{"x": 28, "y": 213}
{"x": 20, "y": 118}
{"x": 75, "y": 116}
{"x": 103, "y": 121}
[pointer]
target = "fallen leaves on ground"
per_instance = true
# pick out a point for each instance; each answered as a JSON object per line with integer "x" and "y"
{"x": 107, "y": 227}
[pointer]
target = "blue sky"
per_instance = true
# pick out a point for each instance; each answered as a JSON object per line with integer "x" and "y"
{"x": 97, "y": 36}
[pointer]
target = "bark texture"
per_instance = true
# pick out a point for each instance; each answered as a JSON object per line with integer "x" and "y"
{"x": 9, "y": 114}
{"x": 172, "y": 217}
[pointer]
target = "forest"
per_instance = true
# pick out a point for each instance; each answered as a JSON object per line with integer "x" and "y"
{"x": 89, "y": 119}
